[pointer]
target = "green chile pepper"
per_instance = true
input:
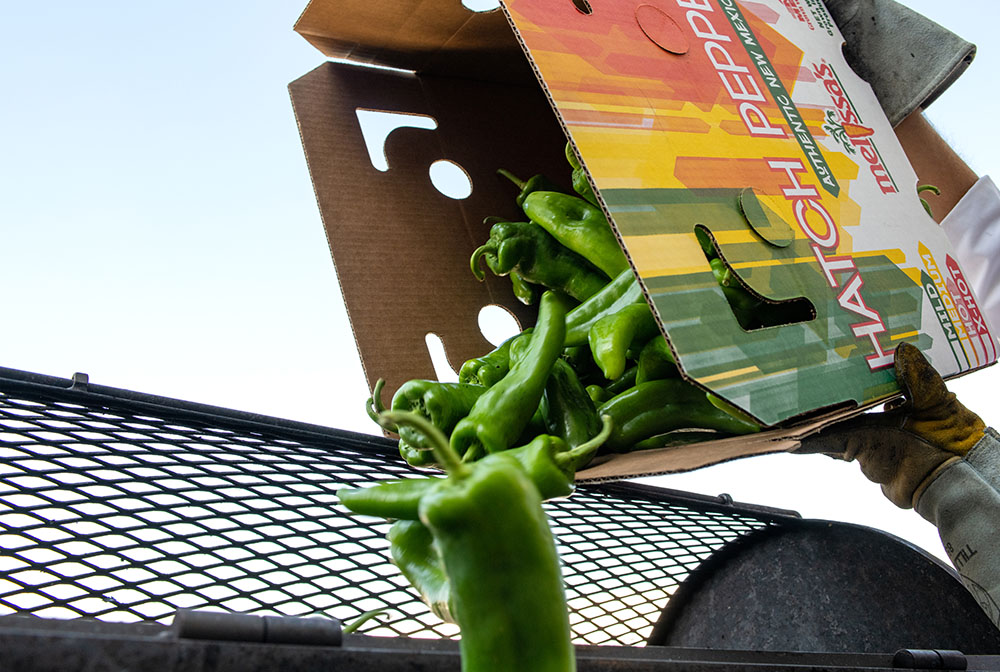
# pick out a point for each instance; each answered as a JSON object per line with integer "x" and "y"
{"x": 597, "y": 394}
{"x": 536, "y": 183}
{"x": 501, "y": 413}
{"x": 580, "y": 226}
{"x": 581, "y": 184}
{"x": 660, "y": 406}
{"x": 624, "y": 382}
{"x": 412, "y": 548}
{"x": 429, "y": 398}
{"x": 622, "y": 291}
{"x": 416, "y": 456}
{"x": 537, "y": 257}
{"x": 491, "y": 367}
{"x": 582, "y": 362}
{"x": 655, "y": 361}
{"x": 745, "y": 305}
{"x": 567, "y": 409}
{"x": 524, "y": 291}
{"x": 612, "y": 336}
{"x": 444, "y": 404}
{"x": 491, "y": 534}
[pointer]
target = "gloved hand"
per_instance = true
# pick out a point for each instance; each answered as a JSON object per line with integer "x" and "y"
{"x": 906, "y": 446}
{"x": 906, "y": 58}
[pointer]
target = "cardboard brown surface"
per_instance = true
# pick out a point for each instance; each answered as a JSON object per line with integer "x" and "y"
{"x": 400, "y": 247}
{"x": 420, "y": 35}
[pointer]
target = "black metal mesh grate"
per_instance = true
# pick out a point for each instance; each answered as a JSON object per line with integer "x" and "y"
{"x": 127, "y": 510}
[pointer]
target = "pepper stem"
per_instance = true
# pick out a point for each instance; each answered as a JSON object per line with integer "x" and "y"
{"x": 474, "y": 261}
{"x": 444, "y": 454}
{"x": 586, "y": 448}
{"x": 518, "y": 182}
{"x": 374, "y": 404}
{"x": 362, "y": 619}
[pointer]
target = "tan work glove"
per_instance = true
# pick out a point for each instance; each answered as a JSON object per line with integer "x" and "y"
{"x": 905, "y": 447}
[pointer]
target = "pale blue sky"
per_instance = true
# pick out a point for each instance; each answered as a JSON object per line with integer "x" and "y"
{"x": 159, "y": 229}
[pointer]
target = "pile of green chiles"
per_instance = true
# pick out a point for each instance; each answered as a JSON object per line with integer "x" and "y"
{"x": 595, "y": 349}
{"x": 593, "y": 375}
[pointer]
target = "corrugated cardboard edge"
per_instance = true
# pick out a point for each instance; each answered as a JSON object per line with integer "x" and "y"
{"x": 661, "y": 461}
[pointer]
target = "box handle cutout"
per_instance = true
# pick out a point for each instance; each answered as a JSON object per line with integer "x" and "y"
{"x": 376, "y": 125}
{"x": 751, "y": 309}
{"x": 481, "y": 5}
{"x": 439, "y": 359}
{"x": 496, "y": 324}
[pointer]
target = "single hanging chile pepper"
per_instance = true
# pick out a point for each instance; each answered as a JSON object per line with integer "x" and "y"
{"x": 581, "y": 184}
{"x": 580, "y": 226}
{"x": 499, "y": 416}
{"x": 526, "y": 248}
{"x": 500, "y": 559}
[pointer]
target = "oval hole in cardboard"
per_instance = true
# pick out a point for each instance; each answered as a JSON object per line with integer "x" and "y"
{"x": 661, "y": 29}
{"x": 497, "y": 324}
{"x": 450, "y": 179}
{"x": 481, "y": 5}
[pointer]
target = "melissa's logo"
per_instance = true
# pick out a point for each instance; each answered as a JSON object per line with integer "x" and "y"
{"x": 844, "y": 125}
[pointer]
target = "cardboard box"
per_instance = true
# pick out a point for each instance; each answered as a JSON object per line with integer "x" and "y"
{"x": 741, "y": 118}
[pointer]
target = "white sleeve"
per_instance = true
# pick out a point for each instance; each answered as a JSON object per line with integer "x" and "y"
{"x": 973, "y": 227}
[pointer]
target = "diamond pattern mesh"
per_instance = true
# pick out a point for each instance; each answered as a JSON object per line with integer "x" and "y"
{"x": 122, "y": 511}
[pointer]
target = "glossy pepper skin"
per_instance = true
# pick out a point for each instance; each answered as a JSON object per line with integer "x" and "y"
{"x": 656, "y": 361}
{"x": 660, "y": 406}
{"x": 567, "y": 409}
{"x": 525, "y": 247}
{"x": 581, "y": 185}
{"x": 444, "y": 404}
{"x": 612, "y": 336}
{"x": 524, "y": 291}
{"x": 491, "y": 367}
{"x": 501, "y": 413}
{"x": 493, "y": 535}
{"x": 580, "y": 226}
{"x": 413, "y": 551}
{"x": 622, "y": 291}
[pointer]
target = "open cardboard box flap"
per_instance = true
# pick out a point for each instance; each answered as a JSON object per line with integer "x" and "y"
{"x": 442, "y": 38}
{"x": 401, "y": 247}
